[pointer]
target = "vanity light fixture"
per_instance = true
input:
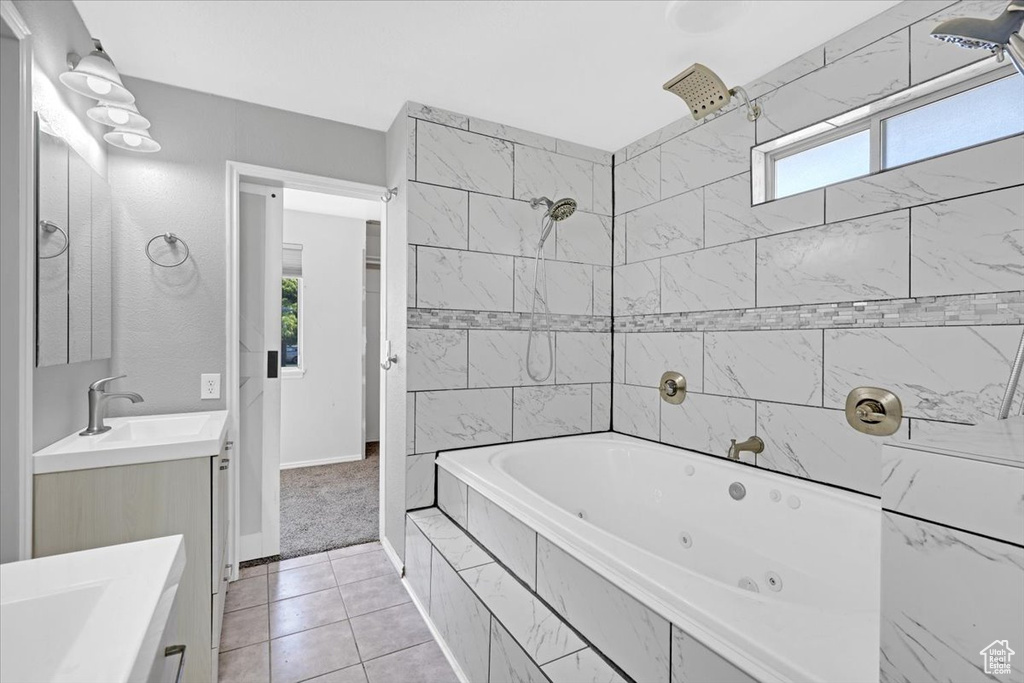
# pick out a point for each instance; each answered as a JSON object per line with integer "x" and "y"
{"x": 132, "y": 140}
{"x": 118, "y": 115}
{"x": 95, "y": 76}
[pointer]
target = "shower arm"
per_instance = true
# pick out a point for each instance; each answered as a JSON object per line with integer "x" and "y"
{"x": 753, "y": 109}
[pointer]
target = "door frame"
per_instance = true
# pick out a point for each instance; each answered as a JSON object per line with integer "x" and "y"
{"x": 26, "y": 360}
{"x": 237, "y": 173}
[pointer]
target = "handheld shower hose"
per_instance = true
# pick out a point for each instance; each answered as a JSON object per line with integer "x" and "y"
{"x": 557, "y": 211}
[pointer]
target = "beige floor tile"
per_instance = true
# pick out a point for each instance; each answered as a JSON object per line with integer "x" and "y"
{"x": 351, "y": 674}
{"x": 297, "y": 562}
{"x": 389, "y": 630}
{"x": 305, "y": 612}
{"x": 312, "y": 653}
{"x": 354, "y": 550}
{"x": 246, "y": 593}
{"x": 421, "y": 664}
{"x": 249, "y": 572}
{"x": 309, "y": 579}
{"x": 363, "y": 566}
{"x": 244, "y": 627}
{"x": 245, "y": 665}
{"x": 371, "y": 595}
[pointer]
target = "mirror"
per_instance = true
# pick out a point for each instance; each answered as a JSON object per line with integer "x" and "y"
{"x": 73, "y": 282}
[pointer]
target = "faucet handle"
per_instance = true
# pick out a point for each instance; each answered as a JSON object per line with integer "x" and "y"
{"x": 101, "y": 384}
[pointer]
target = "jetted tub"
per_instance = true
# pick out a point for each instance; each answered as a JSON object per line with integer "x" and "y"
{"x": 660, "y": 523}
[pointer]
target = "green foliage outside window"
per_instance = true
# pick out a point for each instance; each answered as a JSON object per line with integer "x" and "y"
{"x": 290, "y": 321}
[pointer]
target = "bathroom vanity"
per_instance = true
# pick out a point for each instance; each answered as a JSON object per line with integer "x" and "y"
{"x": 107, "y": 614}
{"x": 148, "y": 477}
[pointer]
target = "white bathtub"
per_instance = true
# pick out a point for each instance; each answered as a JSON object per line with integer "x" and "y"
{"x": 628, "y": 508}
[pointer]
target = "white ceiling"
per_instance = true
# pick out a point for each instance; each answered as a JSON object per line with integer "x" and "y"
{"x": 590, "y": 72}
{"x": 328, "y": 204}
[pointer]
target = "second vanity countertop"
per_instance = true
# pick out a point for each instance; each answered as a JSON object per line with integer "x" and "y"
{"x": 94, "y": 615}
{"x": 136, "y": 440}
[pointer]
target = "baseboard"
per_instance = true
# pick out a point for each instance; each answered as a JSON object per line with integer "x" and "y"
{"x": 389, "y": 550}
{"x": 250, "y": 547}
{"x": 448, "y": 654}
{"x": 321, "y": 461}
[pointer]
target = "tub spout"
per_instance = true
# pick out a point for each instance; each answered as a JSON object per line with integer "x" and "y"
{"x": 754, "y": 444}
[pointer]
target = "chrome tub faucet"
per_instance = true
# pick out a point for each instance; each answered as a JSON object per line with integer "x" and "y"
{"x": 98, "y": 399}
{"x": 754, "y": 444}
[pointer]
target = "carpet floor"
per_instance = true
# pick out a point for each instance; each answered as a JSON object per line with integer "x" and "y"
{"x": 330, "y": 506}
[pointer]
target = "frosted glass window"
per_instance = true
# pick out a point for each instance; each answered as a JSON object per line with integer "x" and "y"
{"x": 985, "y": 113}
{"x": 832, "y": 162}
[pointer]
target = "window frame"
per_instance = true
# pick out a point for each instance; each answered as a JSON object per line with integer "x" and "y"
{"x": 296, "y": 371}
{"x": 870, "y": 117}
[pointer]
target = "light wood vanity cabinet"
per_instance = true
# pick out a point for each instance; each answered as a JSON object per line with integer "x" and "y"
{"x": 91, "y": 508}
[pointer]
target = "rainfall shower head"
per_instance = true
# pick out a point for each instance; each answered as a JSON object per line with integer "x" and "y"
{"x": 705, "y": 93}
{"x": 997, "y": 35}
{"x": 557, "y": 210}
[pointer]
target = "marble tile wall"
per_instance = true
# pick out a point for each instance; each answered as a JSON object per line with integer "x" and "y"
{"x": 946, "y": 595}
{"x": 911, "y": 279}
{"x": 472, "y": 242}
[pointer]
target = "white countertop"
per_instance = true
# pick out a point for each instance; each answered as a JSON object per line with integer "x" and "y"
{"x": 999, "y": 441}
{"x": 95, "y": 615}
{"x": 135, "y": 440}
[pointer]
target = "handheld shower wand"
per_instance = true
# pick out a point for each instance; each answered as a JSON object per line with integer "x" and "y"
{"x": 1001, "y": 35}
{"x": 555, "y": 212}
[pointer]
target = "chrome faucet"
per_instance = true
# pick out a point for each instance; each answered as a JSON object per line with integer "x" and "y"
{"x": 754, "y": 444}
{"x": 98, "y": 405}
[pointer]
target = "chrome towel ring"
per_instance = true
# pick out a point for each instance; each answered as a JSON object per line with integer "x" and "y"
{"x": 170, "y": 238}
{"x": 50, "y": 226}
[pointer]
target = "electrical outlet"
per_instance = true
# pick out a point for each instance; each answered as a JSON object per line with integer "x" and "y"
{"x": 209, "y": 386}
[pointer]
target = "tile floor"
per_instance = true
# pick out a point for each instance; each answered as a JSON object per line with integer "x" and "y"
{"x": 337, "y": 617}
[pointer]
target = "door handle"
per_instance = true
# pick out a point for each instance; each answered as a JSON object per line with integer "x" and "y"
{"x": 180, "y": 651}
{"x": 272, "y": 365}
{"x": 389, "y": 358}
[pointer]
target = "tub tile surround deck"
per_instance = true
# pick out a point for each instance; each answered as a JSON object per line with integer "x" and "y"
{"x": 530, "y": 633}
{"x": 338, "y": 617}
{"x": 617, "y": 605}
{"x": 495, "y": 626}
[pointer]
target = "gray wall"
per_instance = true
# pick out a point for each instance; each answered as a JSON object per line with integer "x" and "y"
{"x": 169, "y": 324}
{"x": 59, "y": 392}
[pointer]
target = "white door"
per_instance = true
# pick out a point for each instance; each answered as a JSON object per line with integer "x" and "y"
{"x": 261, "y": 221}
{"x": 393, "y": 445}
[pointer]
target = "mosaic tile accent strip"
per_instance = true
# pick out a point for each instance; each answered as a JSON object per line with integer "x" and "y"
{"x": 1003, "y": 308}
{"x": 455, "y": 319}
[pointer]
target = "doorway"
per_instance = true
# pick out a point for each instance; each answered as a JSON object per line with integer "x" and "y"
{"x": 305, "y": 308}
{"x": 330, "y": 312}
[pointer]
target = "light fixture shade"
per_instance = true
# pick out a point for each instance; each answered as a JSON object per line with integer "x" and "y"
{"x": 95, "y": 76}
{"x": 132, "y": 140}
{"x": 118, "y": 116}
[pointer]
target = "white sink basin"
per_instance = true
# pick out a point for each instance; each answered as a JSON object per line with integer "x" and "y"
{"x": 23, "y": 624}
{"x": 135, "y": 440}
{"x": 95, "y": 615}
{"x": 156, "y": 428}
